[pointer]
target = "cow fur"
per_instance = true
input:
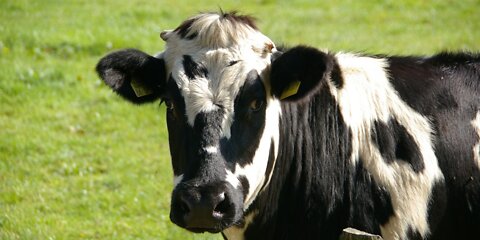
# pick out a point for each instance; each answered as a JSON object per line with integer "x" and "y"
{"x": 386, "y": 144}
{"x": 370, "y": 152}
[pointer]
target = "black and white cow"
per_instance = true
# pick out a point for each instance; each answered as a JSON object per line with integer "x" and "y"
{"x": 301, "y": 144}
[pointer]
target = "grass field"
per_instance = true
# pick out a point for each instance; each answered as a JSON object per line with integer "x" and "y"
{"x": 77, "y": 162}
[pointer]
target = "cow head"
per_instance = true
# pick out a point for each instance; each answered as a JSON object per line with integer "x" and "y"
{"x": 222, "y": 113}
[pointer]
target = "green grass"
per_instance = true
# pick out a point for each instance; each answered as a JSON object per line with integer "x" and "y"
{"x": 77, "y": 162}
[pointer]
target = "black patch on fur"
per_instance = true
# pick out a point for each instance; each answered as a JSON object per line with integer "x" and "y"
{"x": 118, "y": 69}
{"x": 193, "y": 69}
{"x": 437, "y": 206}
{"x": 410, "y": 79}
{"x": 247, "y": 126}
{"x": 383, "y": 136}
{"x": 201, "y": 164}
{"x": 413, "y": 234}
{"x": 231, "y": 63}
{"x": 446, "y": 100}
{"x": 422, "y": 82}
{"x": 245, "y": 186}
{"x": 184, "y": 28}
{"x": 457, "y": 60}
{"x": 179, "y": 132}
{"x": 207, "y": 128}
{"x": 192, "y": 36}
{"x": 382, "y": 202}
{"x": 395, "y": 142}
{"x": 336, "y": 75}
{"x": 454, "y": 150}
{"x": 369, "y": 204}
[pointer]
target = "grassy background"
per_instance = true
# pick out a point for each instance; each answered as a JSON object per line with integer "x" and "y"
{"x": 77, "y": 162}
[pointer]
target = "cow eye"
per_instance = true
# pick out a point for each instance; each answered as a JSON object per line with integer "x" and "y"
{"x": 256, "y": 105}
{"x": 169, "y": 104}
{"x": 231, "y": 63}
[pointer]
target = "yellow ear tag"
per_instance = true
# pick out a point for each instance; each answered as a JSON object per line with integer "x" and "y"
{"x": 291, "y": 90}
{"x": 139, "y": 88}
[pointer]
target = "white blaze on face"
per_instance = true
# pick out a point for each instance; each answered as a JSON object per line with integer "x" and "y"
{"x": 476, "y": 147}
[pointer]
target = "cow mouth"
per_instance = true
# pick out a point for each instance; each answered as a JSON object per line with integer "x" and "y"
{"x": 202, "y": 226}
{"x": 202, "y": 230}
{"x": 215, "y": 228}
{"x": 239, "y": 223}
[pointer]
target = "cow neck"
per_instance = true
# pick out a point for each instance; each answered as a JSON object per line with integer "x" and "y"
{"x": 313, "y": 153}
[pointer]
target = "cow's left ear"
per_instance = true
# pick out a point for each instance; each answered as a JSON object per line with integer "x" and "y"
{"x": 133, "y": 74}
{"x": 298, "y": 71}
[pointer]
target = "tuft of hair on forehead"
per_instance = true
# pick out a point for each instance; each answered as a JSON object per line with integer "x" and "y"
{"x": 241, "y": 19}
{"x": 217, "y": 29}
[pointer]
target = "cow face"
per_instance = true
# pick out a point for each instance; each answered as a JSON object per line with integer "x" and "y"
{"x": 222, "y": 119}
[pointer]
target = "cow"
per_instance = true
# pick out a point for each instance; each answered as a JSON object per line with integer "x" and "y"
{"x": 300, "y": 143}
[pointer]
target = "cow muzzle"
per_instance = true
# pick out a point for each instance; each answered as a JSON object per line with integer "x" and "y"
{"x": 205, "y": 207}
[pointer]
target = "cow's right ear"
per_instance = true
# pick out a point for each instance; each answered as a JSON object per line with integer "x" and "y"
{"x": 133, "y": 74}
{"x": 298, "y": 72}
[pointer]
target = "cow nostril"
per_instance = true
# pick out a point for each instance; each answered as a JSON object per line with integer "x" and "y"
{"x": 184, "y": 206}
{"x": 222, "y": 207}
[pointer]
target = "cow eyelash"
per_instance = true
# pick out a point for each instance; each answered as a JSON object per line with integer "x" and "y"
{"x": 231, "y": 63}
{"x": 168, "y": 103}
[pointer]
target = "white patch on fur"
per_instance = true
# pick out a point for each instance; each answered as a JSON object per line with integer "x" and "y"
{"x": 476, "y": 147}
{"x": 211, "y": 149}
{"x": 237, "y": 233}
{"x": 177, "y": 180}
{"x": 255, "y": 172}
{"x": 232, "y": 179}
{"x": 366, "y": 96}
{"x": 219, "y": 42}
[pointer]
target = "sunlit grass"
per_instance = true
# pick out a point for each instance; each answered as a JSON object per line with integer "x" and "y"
{"x": 77, "y": 162}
